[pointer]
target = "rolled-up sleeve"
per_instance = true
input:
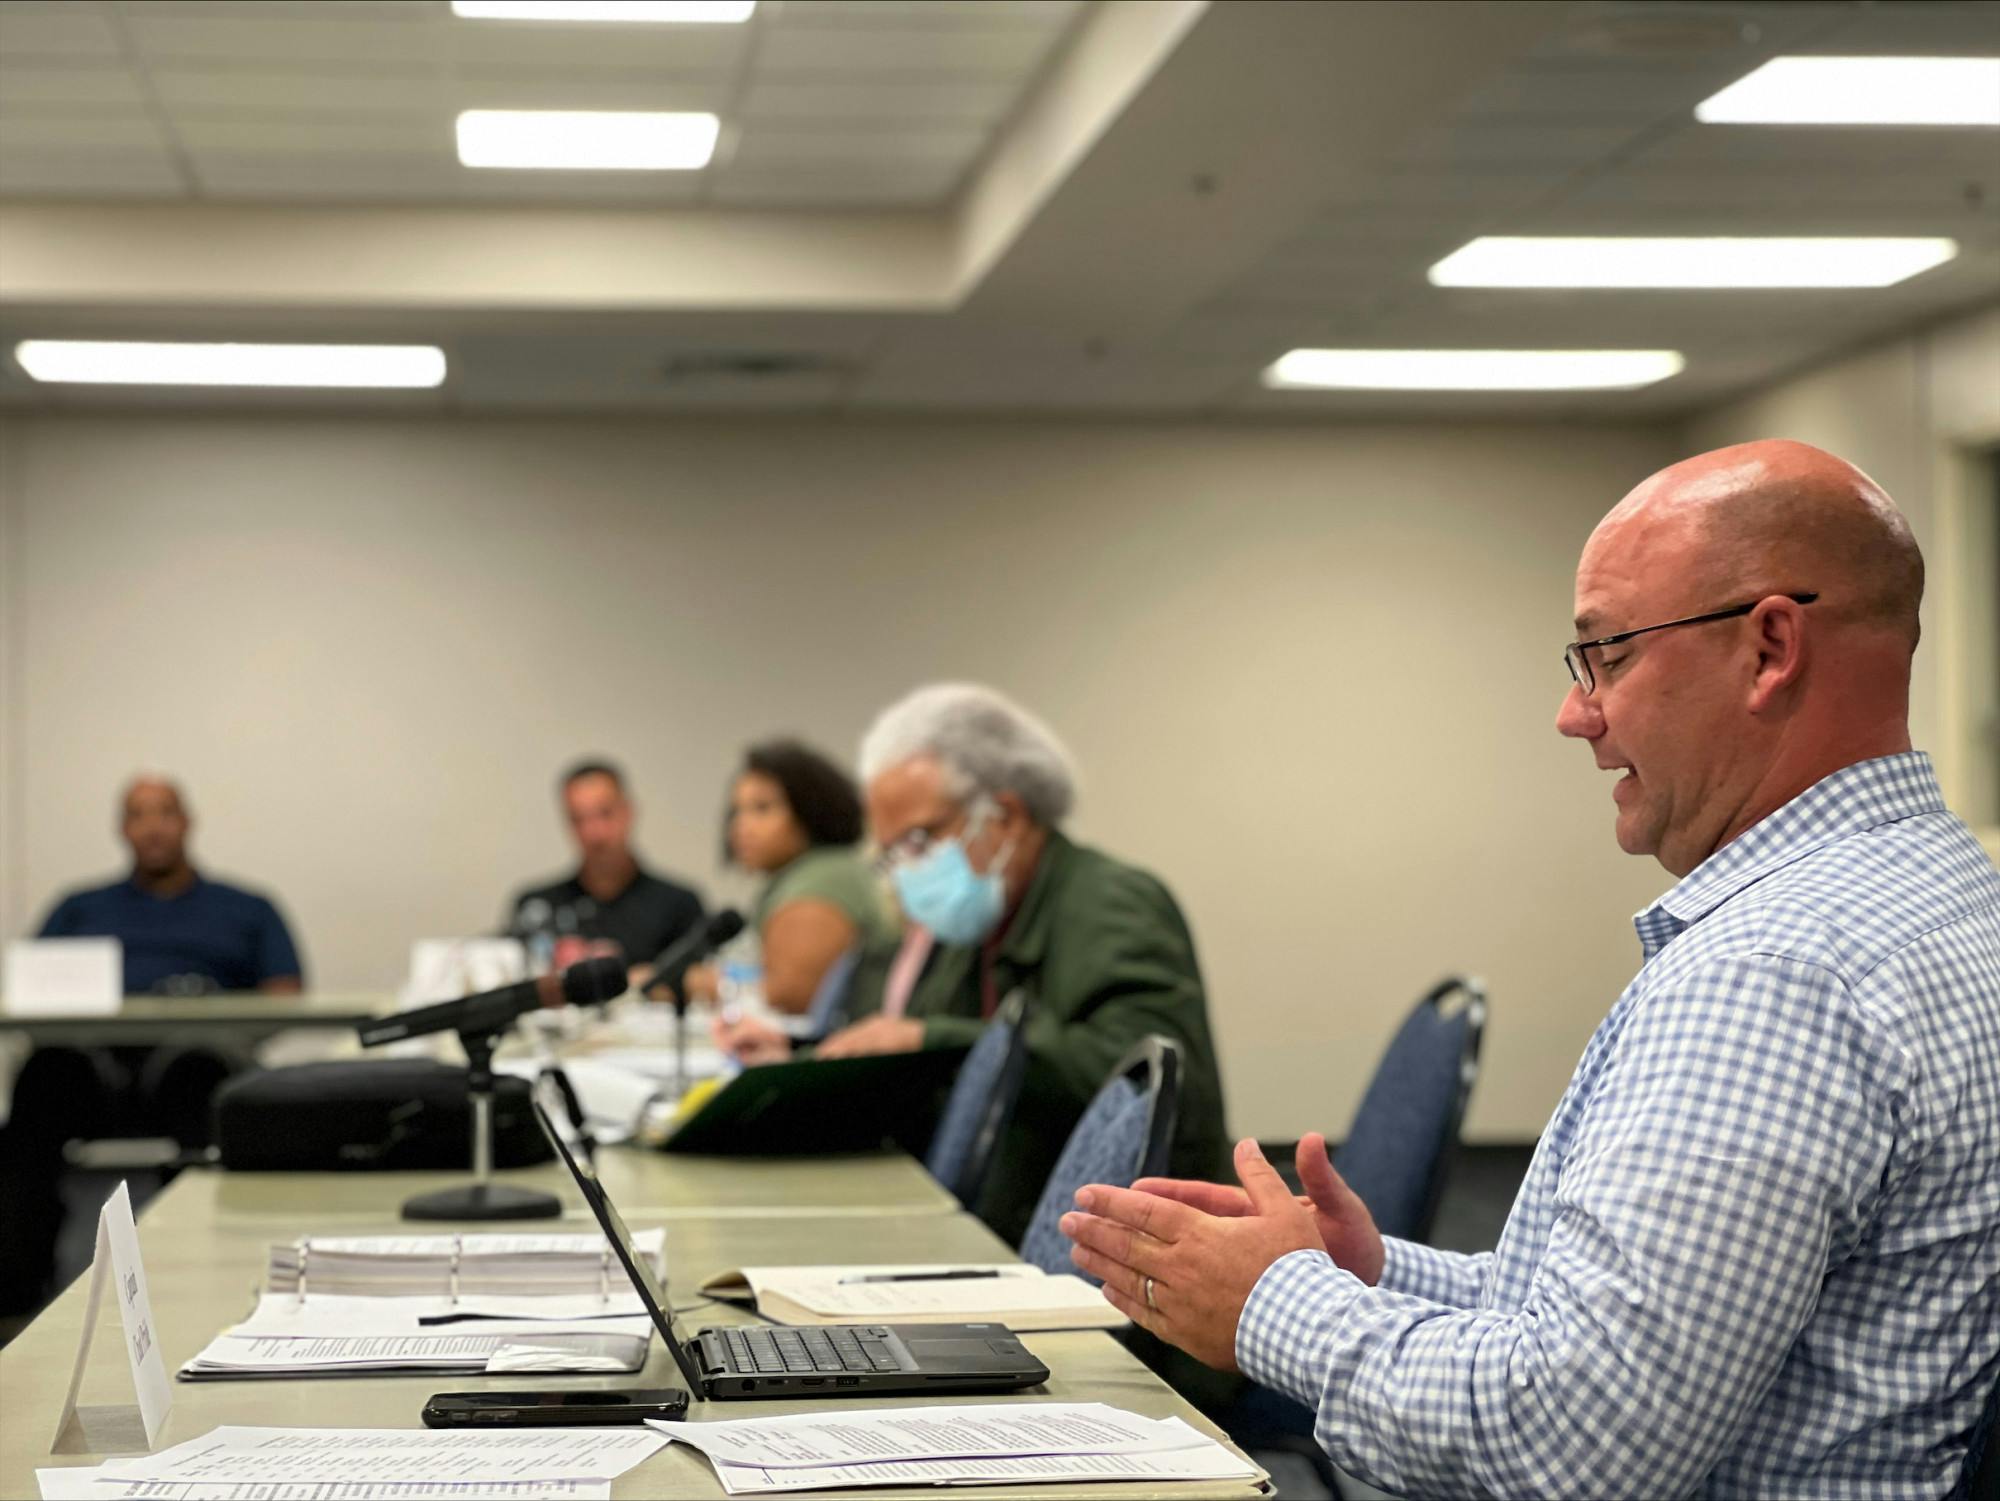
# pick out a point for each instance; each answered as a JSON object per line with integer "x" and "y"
{"x": 1727, "y": 1151}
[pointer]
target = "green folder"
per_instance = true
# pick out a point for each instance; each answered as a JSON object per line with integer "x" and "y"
{"x": 818, "y": 1106}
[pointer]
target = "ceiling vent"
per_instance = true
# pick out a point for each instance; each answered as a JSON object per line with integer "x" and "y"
{"x": 747, "y": 365}
{"x": 1662, "y": 31}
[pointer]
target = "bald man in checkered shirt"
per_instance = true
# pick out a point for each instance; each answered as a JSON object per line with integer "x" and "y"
{"x": 1758, "y": 1250}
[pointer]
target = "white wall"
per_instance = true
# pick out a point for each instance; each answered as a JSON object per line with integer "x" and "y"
{"x": 1309, "y": 673}
{"x": 1908, "y": 411}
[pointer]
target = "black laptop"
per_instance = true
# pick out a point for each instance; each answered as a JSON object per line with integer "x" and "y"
{"x": 837, "y": 1360}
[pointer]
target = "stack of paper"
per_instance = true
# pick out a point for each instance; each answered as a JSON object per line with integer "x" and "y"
{"x": 978, "y": 1444}
{"x": 336, "y": 1335}
{"x": 441, "y": 1265}
{"x": 366, "y": 1464}
{"x": 1020, "y": 1296}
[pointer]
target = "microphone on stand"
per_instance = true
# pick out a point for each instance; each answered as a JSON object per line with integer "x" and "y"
{"x": 673, "y": 962}
{"x": 671, "y": 967}
{"x": 490, "y": 1011}
{"x": 480, "y": 1020}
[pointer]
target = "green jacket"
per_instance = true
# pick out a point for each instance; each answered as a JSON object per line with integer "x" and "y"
{"x": 1103, "y": 950}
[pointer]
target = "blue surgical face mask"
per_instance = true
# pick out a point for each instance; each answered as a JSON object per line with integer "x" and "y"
{"x": 944, "y": 893}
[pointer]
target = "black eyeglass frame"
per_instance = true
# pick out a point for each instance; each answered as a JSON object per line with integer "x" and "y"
{"x": 1585, "y": 677}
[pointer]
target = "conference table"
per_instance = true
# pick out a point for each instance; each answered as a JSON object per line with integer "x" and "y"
{"x": 206, "y": 1237}
{"x": 244, "y": 1018}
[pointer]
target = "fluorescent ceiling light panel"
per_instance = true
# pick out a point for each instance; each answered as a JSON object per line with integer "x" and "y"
{"x": 1471, "y": 369}
{"x": 1861, "y": 91}
{"x": 1687, "y": 261}
{"x": 682, "y": 11}
{"x": 99, "y": 362}
{"x": 587, "y": 140}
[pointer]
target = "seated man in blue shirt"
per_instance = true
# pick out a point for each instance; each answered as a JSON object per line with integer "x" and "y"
{"x": 1758, "y": 1250}
{"x": 182, "y": 933}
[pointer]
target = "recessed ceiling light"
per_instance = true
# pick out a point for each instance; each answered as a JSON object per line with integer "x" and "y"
{"x": 684, "y": 11}
{"x": 587, "y": 140}
{"x": 1687, "y": 261}
{"x": 105, "y": 362}
{"x": 1861, "y": 91}
{"x": 1472, "y": 369}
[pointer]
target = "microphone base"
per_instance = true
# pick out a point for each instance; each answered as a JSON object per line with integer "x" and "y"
{"x": 483, "y": 1201}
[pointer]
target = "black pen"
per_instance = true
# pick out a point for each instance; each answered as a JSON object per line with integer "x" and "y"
{"x": 918, "y": 1277}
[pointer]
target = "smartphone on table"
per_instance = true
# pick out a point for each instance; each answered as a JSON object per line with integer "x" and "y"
{"x": 584, "y": 1409}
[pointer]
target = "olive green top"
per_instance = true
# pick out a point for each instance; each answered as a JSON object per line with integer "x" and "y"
{"x": 1104, "y": 952}
{"x": 839, "y": 877}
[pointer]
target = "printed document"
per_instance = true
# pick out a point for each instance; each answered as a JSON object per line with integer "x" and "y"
{"x": 279, "y": 1456}
{"x": 969, "y": 1445}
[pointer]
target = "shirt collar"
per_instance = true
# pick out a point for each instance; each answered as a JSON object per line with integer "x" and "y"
{"x": 1856, "y": 798}
{"x": 1027, "y": 933}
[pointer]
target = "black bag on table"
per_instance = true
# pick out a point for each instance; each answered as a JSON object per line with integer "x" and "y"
{"x": 379, "y": 1114}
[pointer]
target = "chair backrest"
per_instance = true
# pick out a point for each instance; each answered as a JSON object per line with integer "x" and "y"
{"x": 828, "y": 1008}
{"x": 981, "y": 1102}
{"x": 1399, "y": 1147}
{"x": 1124, "y": 1134}
{"x": 1981, "y": 1479}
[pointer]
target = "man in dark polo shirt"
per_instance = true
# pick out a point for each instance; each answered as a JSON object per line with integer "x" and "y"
{"x": 182, "y": 934}
{"x": 611, "y": 899}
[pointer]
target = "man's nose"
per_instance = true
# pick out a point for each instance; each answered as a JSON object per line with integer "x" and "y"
{"x": 1579, "y": 717}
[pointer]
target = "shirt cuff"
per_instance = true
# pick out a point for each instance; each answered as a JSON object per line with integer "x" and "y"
{"x": 1284, "y": 1337}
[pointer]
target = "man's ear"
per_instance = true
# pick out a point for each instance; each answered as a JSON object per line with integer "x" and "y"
{"x": 1778, "y": 625}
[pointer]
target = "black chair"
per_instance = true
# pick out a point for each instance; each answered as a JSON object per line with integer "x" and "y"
{"x": 1124, "y": 1134}
{"x": 981, "y": 1102}
{"x": 1981, "y": 1479}
{"x": 1399, "y": 1148}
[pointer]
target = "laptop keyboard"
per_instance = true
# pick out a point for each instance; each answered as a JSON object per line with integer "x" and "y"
{"x": 858, "y": 1350}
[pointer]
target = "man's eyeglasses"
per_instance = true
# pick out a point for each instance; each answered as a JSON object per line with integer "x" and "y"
{"x": 1576, "y": 656}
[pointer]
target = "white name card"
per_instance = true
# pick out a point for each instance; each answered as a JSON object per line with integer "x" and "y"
{"x": 63, "y": 977}
{"x": 106, "y": 1429}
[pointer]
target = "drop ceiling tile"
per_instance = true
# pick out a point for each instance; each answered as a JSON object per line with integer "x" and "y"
{"x": 778, "y": 149}
{"x": 682, "y": 51}
{"x": 27, "y": 89}
{"x": 394, "y": 136}
{"x": 110, "y": 174}
{"x": 987, "y": 14}
{"x": 232, "y": 39}
{"x": 80, "y": 29}
{"x": 1914, "y": 30}
{"x": 856, "y": 186}
{"x": 800, "y": 102}
{"x": 813, "y": 51}
{"x": 189, "y": 92}
{"x": 402, "y": 12}
{"x": 74, "y": 132}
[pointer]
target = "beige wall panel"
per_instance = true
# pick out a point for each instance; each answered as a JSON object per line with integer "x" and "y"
{"x": 1309, "y": 672}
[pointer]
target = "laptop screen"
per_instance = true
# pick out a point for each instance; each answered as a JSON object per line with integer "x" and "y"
{"x": 652, "y": 1290}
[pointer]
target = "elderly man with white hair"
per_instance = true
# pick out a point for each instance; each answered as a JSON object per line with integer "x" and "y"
{"x": 966, "y": 795}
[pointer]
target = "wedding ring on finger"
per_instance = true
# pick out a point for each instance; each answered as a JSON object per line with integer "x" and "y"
{"x": 1150, "y": 1304}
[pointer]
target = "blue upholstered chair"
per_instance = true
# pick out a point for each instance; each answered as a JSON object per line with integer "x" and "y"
{"x": 1395, "y": 1156}
{"x": 1399, "y": 1147}
{"x": 981, "y": 1102}
{"x": 1124, "y": 1135}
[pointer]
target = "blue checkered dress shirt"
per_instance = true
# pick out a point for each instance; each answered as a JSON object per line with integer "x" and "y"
{"x": 1758, "y": 1250}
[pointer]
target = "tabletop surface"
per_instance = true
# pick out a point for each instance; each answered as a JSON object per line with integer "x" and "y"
{"x": 148, "y": 1017}
{"x": 206, "y": 1238}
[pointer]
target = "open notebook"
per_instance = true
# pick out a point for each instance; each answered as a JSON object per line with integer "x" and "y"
{"x": 1024, "y": 1298}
